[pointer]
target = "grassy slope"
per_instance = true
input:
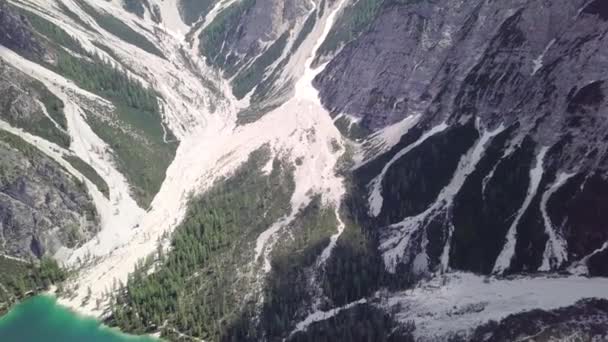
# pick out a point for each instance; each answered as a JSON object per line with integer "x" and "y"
{"x": 43, "y": 126}
{"x": 120, "y": 29}
{"x": 134, "y": 130}
{"x": 140, "y": 152}
{"x": 89, "y": 172}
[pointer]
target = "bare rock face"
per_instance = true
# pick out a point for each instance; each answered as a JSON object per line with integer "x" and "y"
{"x": 16, "y": 104}
{"x": 246, "y": 29}
{"x": 27, "y": 104}
{"x": 267, "y": 20}
{"x": 42, "y": 207}
{"x": 16, "y": 33}
{"x": 534, "y": 70}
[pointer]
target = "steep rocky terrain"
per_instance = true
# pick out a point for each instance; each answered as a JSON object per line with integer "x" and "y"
{"x": 348, "y": 170}
{"x": 523, "y": 98}
{"x": 43, "y": 207}
{"x": 17, "y": 34}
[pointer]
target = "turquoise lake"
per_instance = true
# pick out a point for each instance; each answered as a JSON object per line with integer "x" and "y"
{"x": 41, "y": 319}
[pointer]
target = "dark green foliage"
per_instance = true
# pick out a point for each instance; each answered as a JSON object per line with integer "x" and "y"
{"x": 135, "y": 6}
{"x": 144, "y": 163}
{"x": 139, "y": 141}
{"x": 36, "y": 122}
{"x": 135, "y": 130}
{"x": 67, "y": 11}
{"x": 481, "y": 220}
{"x": 355, "y": 269}
{"x": 89, "y": 172}
{"x": 266, "y": 96}
{"x": 224, "y": 26}
{"x": 21, "y": 278}
{"x": 361, "y": 323}
{"x": 40, "y": 126}
{"x": 54, "y": 106}
{"x": 255, "y": 112}
{"x": 54, "y": 33}
{"x": 195, "y": 287}
{"x": 287, "y": 288}
{"x": 120, "y": 29}
{"x": 413, "y": 182}
{"x": 142, "y": 153}
{"x": 354, "y": 19}
{"x": 18, "y": 143}
{"x": 351, "y": 129}
{"x": 308, "y": 26}
{"x": 192, "y": 10}
{"x": 251, "y": 76}
{"x": 37, "y": 158}
{"x": 107, "y": 81}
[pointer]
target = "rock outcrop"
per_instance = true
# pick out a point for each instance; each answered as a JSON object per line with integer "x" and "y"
{"x": 42, "y": 207}
{"x": 16, "y": 33}
{"x": 532, "y": 73}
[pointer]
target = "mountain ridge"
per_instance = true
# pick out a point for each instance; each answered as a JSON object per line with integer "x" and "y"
{"x": 385, "y": 161}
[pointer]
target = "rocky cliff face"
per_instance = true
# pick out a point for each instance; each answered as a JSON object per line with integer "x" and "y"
{"x": 27, "y": 104}
{"x": 42, "y": 207}
{"x": 521, "y": 93}
{"x": 16, "y": 33}
{"x": 387, "y": 170}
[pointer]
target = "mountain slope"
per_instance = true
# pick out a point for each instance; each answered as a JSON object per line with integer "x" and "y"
{"x": 286, "y": 170}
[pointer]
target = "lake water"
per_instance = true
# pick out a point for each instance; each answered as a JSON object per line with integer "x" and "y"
{"x": 40, "y": 319}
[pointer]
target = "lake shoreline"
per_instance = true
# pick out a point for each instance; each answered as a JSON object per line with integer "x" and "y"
{"x": 43, "y": 318}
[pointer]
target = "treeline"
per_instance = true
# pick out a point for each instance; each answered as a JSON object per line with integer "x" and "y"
{"x": 287, "y": 288}
{"x": 107, "y": 80}
{"x": 220, "y": 32}
{"x": 89, "y": 70}
{"x": 143, "y": 148}
{"x": 195, "y": 288}
{"x": 21, "y": 278}
{"x": 121, "y": 30}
